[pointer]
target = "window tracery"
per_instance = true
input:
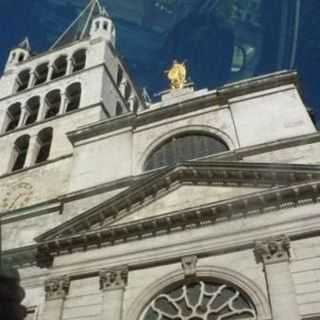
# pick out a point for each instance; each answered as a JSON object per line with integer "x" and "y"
{"x": 183, "y": 147}
{"x": 202, "y": 299}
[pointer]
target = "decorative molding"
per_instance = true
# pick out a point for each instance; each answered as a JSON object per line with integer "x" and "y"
{"x": 57, "y": 288}
{"x": 215, "y": 173}
{"x": 272, "y": 250}
{"x": 256, "y": 203}
{"x": 113, "y": 279}
{"x": 189, "y": 266}
{"x": 238, "y": 279}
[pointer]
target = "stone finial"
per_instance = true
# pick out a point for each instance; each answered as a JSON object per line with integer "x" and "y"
{"x": 275, "y": 249}
{"x": 189, "y": 265}
{"x": 111, "y": 279}
{"x": 57, "y": 288}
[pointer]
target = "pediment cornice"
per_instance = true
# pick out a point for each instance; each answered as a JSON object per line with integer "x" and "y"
{"x": 287, "y": 186}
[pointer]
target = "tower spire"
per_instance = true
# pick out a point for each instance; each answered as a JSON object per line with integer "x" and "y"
{"x": 80, "y": 27}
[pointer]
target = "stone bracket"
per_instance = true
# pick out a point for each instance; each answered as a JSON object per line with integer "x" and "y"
{"x": 189, "y": 265}
{"x": 111, "y": 279}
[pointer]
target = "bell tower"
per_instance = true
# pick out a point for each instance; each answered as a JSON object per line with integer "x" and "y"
{"x": 102, "y": 26}
{"x": 78, "y": 81}
{"x": 19, "y": 54}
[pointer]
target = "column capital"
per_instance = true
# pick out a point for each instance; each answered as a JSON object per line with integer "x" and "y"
{"x": 189, "y": 265}
{"x": 111, "y": 279}
{"x": 272, "y": 250}
{"x": 57, "y": 288}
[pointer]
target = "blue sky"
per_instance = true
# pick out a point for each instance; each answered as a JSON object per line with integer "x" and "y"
{"x": 149, "y": 50}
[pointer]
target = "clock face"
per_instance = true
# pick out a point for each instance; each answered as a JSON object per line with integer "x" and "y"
{"x": 18, "y": 196}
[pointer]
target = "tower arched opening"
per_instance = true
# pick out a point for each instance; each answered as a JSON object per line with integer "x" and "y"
{"x": 20, "y": 152}
{"x": 53, "y": 102}
{"x": 13, "y": 117}
{"x": 41, "y": 73}
{"x": 59, "y": 67}
{"x": 22, "y": 81}
{"x": 73, "y": 94}
{"x": 79, "y": 60}
{"x": 33, "y": 106}
{"x": 44, "y": 144}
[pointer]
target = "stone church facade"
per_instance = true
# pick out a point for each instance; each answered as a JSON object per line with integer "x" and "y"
{"x": 203, "y": 206}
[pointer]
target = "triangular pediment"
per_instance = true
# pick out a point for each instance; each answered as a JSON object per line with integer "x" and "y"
{"x": 224, "y": 182}
{"x": 182, "y": 196}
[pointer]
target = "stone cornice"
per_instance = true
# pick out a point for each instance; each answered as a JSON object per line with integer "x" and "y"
{"x": 79, "y": 235}
{"x": 218, "y": 97}
{"x": 218, "y": 173}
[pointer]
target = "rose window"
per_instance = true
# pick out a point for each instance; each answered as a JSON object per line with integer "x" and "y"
{"x": 200, "y": 300}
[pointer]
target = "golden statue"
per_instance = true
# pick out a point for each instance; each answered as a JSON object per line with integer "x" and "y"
{"x": 177, "y": 75}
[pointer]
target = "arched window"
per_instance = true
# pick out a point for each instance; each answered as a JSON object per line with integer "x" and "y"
{"x": 41, "y": 73}
{"x": 20, "y": 152}
{"x": 127, "y": 91}
{"x": 53, "y": 102}
{"x": 79, "y": 60}
{"x": 21, "y": 57}
{"x": 119, "y": 76}
{"x": 22, "y": 81}
{"x": 182, "y": 147}
{"x": 118, "y": 109}
{"x": 33, "y": 106}
{"x": 201, "y": 299}
{"x": 13, "y": 116}
{"x": 73, "y": 94}
{"x": 44, "y": 142}
{"x": 59, "y": 67}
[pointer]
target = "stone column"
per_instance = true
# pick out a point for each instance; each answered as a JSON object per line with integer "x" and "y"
{"x": 33, "y": 151}
{"x": 23, "y": 115}
{"x": 63, "y": 103}
{"x": 274, "y": 253}
{"x": 69, "y": 66}
{"x": 50, "y": 72}
{"x": 42, "y": 109}
{"x": 56, "y": 292}
{"x": 32, "y": 79}
{"x": 112, "y": 284}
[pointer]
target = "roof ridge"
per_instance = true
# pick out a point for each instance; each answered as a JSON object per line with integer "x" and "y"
{"x": 80, "y": 27}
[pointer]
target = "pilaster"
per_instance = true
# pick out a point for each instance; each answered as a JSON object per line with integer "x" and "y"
{"x": 112, "y": 285}
{"x": 56, "y": 291}
{"x": 274, "y": 253}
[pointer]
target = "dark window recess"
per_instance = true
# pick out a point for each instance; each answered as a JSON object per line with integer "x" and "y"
{"x": 79, "y": 60}
{"x": 14, "y": 113}
{"x": 33, "y": 106}
{"x": 74, "y": 96}
{"x": 41, "y": 74}
{"x": 184, "y": 147}
{"x": 118, "y": 109}
{"x": 44, "y": 140}
{"x": 59, "y": 68}
{"x": 23, "y": 80}
{"x": 119, "y": 76}
{"x": 53, "y": 101}
{"x": 21, "y": 149}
